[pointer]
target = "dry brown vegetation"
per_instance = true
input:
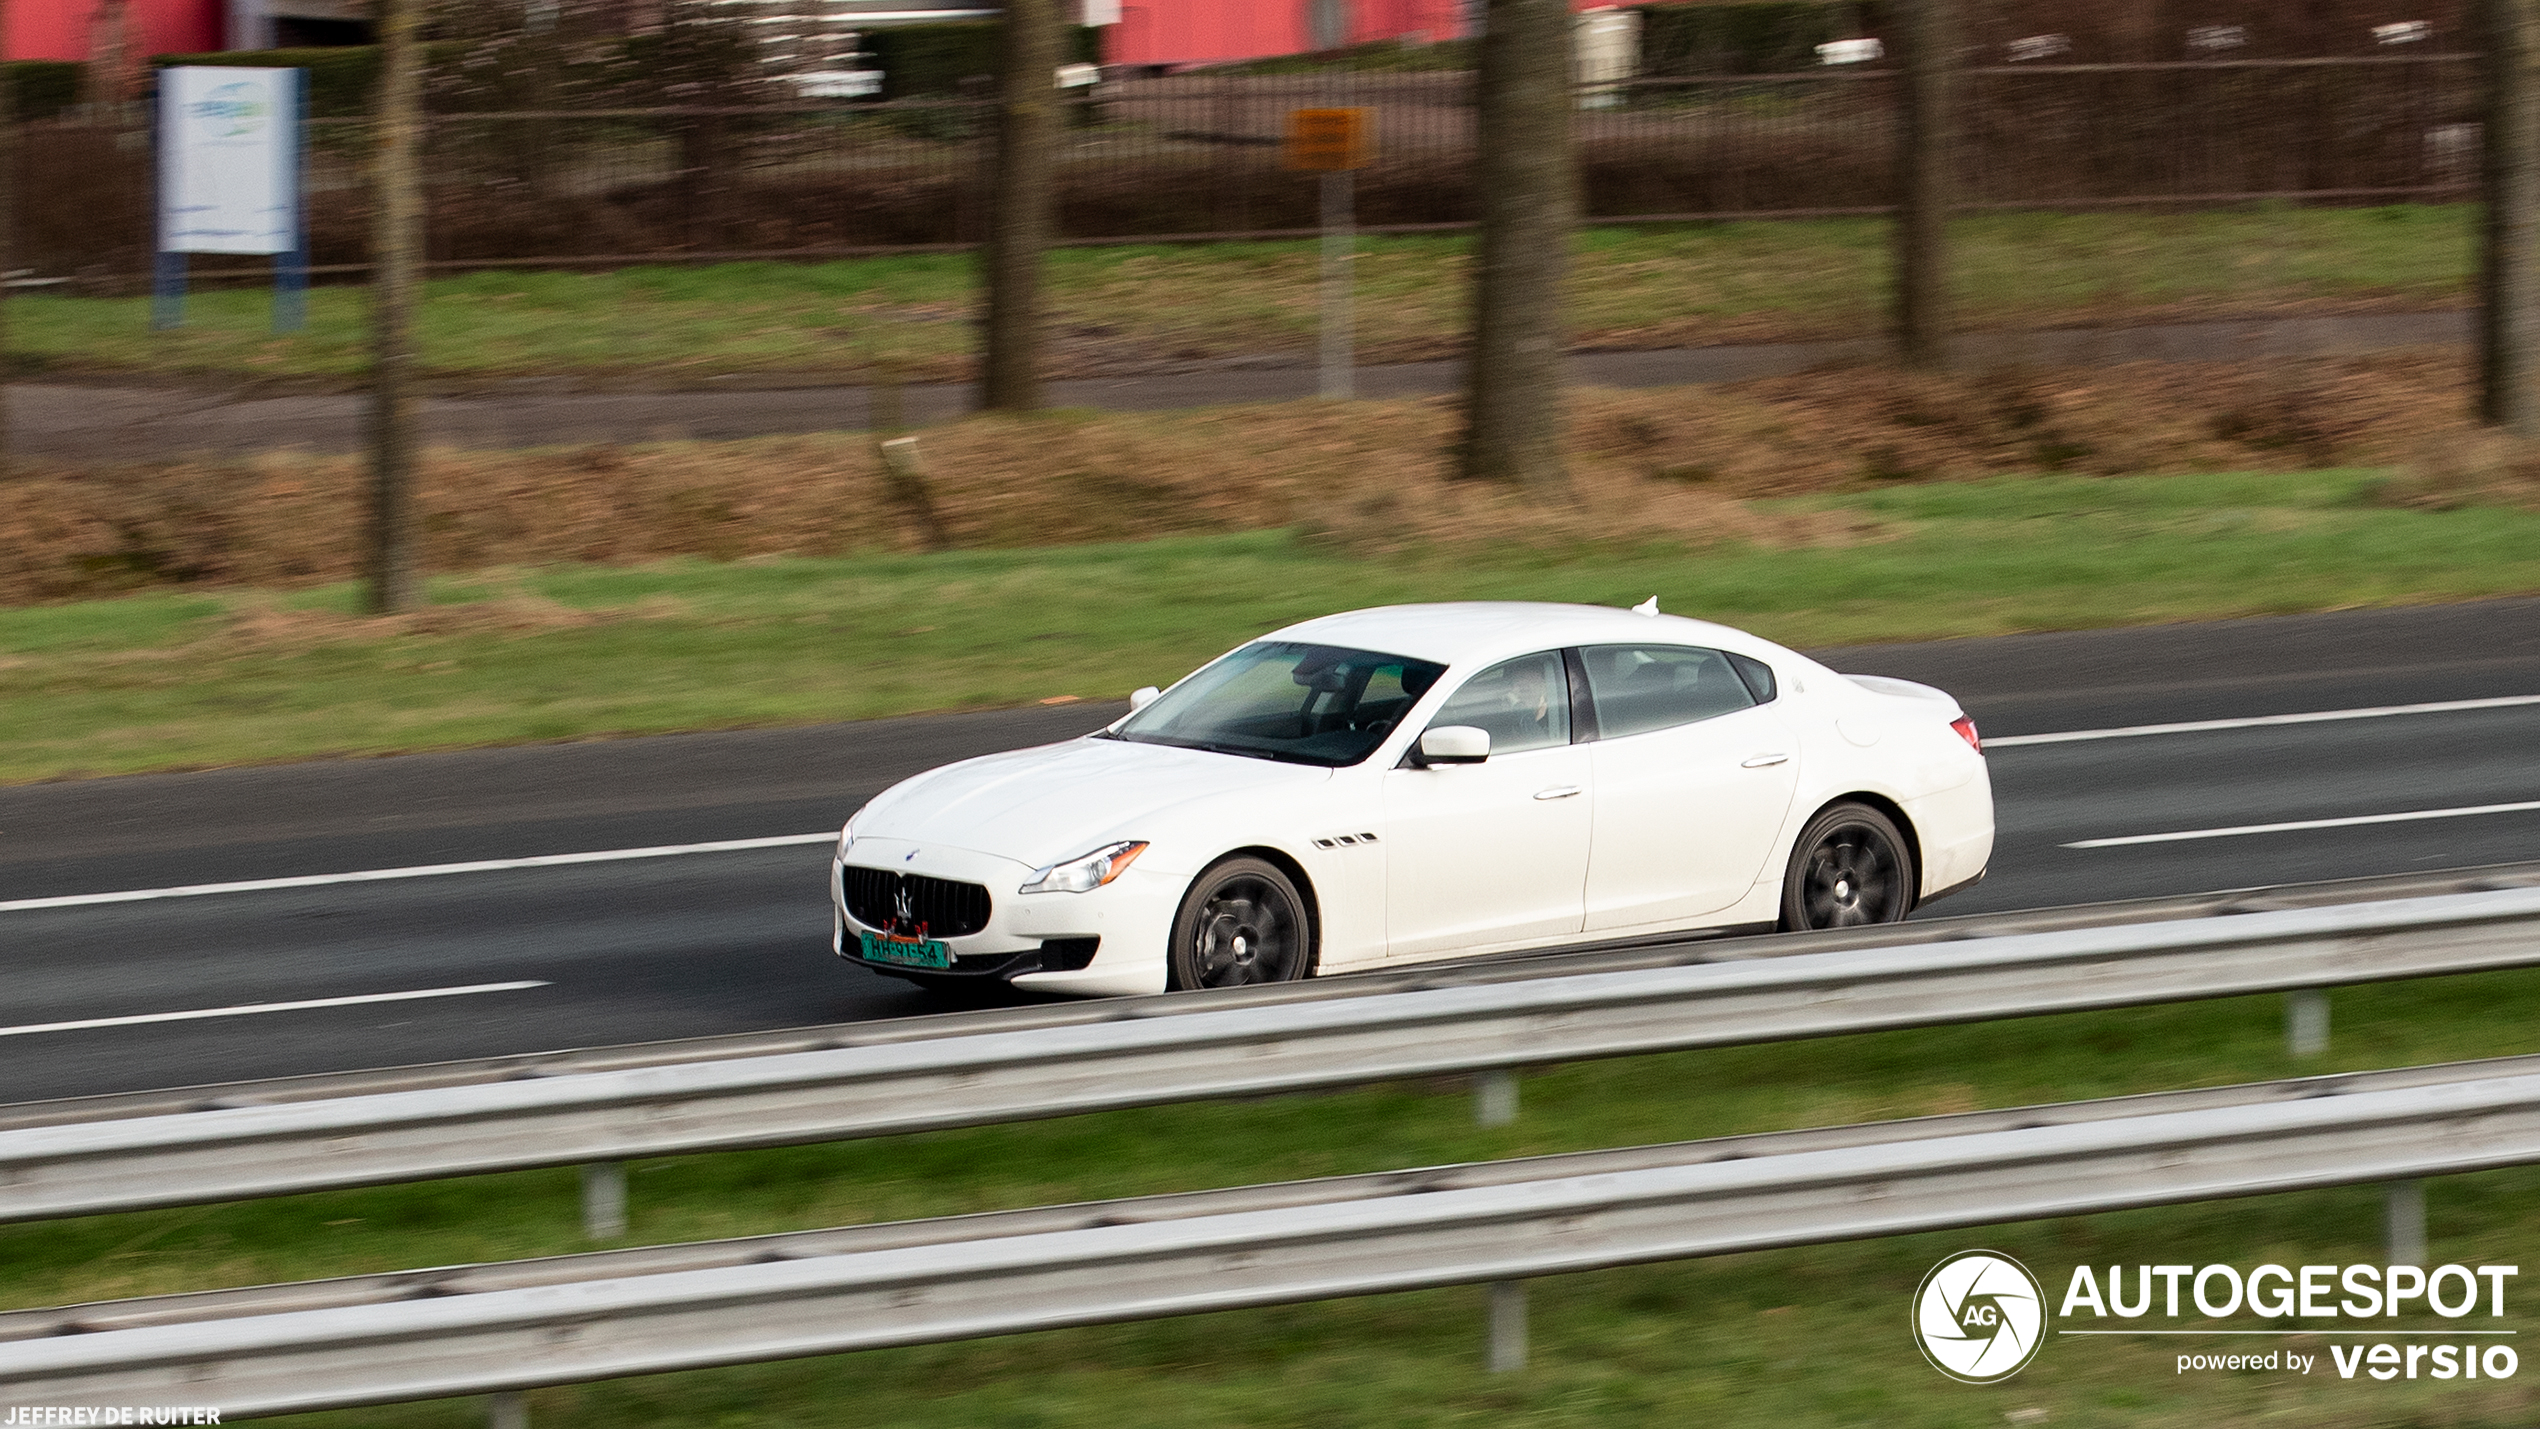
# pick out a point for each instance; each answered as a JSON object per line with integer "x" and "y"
{"x": 1677, "y": 465}
{"x": 2465, "y": 467}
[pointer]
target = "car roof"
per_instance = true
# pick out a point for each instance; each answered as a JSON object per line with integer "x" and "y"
{"x": 1462, "y": 632}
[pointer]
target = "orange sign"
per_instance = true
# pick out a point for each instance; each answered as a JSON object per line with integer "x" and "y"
{"x": 1325, "y": 140}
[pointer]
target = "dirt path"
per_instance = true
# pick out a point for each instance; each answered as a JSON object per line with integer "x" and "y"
{"x": 133, "y": 423}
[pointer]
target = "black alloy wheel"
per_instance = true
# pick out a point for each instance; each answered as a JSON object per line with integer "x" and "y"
{"x": 1243, "y": 922}
{"x": 1849, "y": 869}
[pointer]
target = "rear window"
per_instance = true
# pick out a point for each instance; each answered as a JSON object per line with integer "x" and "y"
{"x": 1639, "y": 688}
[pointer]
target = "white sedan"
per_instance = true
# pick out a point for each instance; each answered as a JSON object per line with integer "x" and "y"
{"x": 1419, "y": 782}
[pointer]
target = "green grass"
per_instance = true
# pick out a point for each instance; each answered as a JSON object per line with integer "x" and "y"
{"x": 166, "y": 680}
{"x": 1166, "y": 304}
{"x": 1803, "y": 1336}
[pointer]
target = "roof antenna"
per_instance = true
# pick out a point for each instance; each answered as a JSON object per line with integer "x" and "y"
{"x": 1646, "y": 607}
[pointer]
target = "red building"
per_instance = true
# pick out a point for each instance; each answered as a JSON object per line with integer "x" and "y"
{"x": 1184, "y": 32}
{"x": 1176, "y": 32}
{"x": 1150, "y": 32}
{"x": 69, "y": 29}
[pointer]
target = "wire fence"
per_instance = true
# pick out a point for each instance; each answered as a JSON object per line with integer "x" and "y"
{"x": 1197, "y": 156}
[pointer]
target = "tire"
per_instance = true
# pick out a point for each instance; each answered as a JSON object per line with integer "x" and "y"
{"x": 1849, "y": 868}
{"x": 1242, "y": 922}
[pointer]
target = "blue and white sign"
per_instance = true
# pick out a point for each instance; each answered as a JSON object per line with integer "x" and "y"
{"x": 229, "y": 160}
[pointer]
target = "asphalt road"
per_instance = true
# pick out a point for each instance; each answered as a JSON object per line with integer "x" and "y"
{"x": 700, "y": 943}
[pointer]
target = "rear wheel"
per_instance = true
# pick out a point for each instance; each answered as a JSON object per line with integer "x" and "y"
{"x": 1242, "y": 922}
{"x": 1848, "y": 869}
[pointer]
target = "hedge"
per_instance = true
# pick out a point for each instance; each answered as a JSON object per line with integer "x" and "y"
{"x": 915, "y": 60}
{"x": 1766, "y": 37}
{"x": 42, "y": 89}
{"x": 931, "y": 60}
{"x": 340, "y": 76}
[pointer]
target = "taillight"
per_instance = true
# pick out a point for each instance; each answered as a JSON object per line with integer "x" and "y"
{"x": 1966, "y": 727}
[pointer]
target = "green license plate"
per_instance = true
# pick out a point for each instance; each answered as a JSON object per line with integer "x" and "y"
{"x": 906, "y": 952}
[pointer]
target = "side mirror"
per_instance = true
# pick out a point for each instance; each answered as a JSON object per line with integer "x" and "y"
{"x": 1141, "y": 697}
{"x": 1454, "y": 744}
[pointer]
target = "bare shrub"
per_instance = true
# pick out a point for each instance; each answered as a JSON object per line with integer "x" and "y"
{"x": 1673, "y": 466}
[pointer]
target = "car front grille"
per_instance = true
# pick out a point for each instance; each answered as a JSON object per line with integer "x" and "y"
{"x": 914, "y": 905}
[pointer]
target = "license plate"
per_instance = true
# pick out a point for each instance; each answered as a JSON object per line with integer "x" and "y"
{"x": 906, "y": 952}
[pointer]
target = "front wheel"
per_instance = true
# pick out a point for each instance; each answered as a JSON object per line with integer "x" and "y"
{"x": 1243, "y": 922}
{"x": 1848, "y": 869}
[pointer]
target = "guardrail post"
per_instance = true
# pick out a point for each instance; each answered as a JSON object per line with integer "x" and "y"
{"x": 2404, "y": 1217}
{"x": 2306, "y": 1022}
{"x": 1495, "y": 1096}
{"x": 508, "y": 1410}
{"x": 1507, "y": 1326}
{"x": 604, "y": 1200}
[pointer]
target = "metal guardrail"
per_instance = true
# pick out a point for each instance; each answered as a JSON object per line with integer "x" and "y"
{"x": 1010, "y": 1075}
{"x": 393, "y": 1286}
{"x": 1583, "y": 958}
{"x": 1682, "y": 1202}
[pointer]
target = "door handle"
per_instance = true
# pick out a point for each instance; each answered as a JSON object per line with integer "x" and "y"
{"x": 1558, "y": 791}
{"x": 1765, "y": 761}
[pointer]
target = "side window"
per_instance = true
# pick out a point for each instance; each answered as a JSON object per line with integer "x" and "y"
{"x": 1524, "y": 704}
{"x": 1759, "y": 676}
{"x": 1638, "y": 688}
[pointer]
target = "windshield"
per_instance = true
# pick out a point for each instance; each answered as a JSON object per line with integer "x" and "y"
{"x": 1281, "y": 699}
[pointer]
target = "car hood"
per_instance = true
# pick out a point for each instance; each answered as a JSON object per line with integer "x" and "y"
{"x": 1037, "y": 806}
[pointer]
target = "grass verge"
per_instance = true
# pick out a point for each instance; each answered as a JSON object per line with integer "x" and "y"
{"x": 180, "y": 679}
{"x": 1806, "y": 1336}
{"x": 1130, "y": 308}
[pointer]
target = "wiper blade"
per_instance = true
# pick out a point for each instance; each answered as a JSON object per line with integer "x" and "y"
{"x": 1240, "y": 751}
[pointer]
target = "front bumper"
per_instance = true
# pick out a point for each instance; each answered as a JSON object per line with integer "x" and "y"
{"x": 1030, "y": 939}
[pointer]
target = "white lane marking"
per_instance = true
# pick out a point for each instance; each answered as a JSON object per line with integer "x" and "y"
{"x": 2346, "y": 823}
{"x": 2136, "y": 731}
{"x": 251, "y": 1008}
{"x": 429, "y": 870}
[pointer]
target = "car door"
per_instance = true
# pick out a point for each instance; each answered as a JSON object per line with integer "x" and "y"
{"x": 1483, "y": 855}
{"x": 1694, "y": 776}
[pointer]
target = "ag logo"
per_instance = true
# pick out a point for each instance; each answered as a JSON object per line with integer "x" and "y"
{"x": 1979, "y": 1316}
{"x": 235, "y": 110}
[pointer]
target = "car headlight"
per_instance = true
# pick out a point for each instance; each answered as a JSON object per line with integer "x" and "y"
{"x": 846, "y": 840}
{"x": 1086, "y": 872}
